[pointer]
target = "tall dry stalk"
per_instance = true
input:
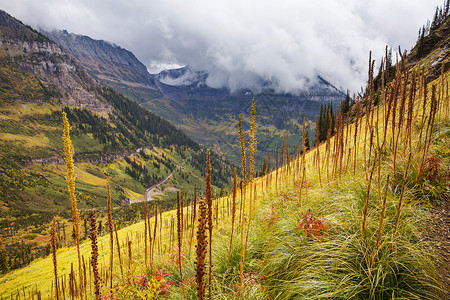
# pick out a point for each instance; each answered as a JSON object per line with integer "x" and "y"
{"x": 118, "y": 250}
{"x": 252, "y": 147}
{"x": 355, "y": 137}
{"x": 366, "y": 205}
{"x": 193, "y": 217}
{"x": 111, "y": 236}
{"x": 380, "y": 224}
{"x": 233, "y": 211}
{"x": 429, "y": 129}
{"x": 152, "y": 245}
{"x": 55, "y": 265}
{"x": 328, "y": 146}
{"x": 94, "y": 255}
{"x": 145, "y": 233}
{"x": 179, "y": 233}
{"x": 399, "y": 207}
{"x": 202, "y": 244}
{"x": 150, "y": 238}
{"x": 243, "y": 186}
{"x": 208, "y": 193}
{"x": 424, "y": 107}
{"x": 276, "y": 170}
{"x": 253, "y": 142}
{"x": 68, "y": 150}
{"x": 243, "y": 156}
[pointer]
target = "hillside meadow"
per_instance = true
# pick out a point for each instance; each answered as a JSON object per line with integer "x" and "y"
{"x": 349, "y": 218}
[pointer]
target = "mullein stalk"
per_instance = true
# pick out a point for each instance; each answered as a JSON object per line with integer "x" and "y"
{"x": 276, "y": 171}
{"x": 253, "y": 141}
{"x": 243, "y": 186}
{"x": 252, "y": 147}
{"x": 145, "y": 233}
{"x": 243, "y": 156}
{"x": 233, "y": 212}
{"x": 399, "y": 207}
{"x": 111, "y": 235}
{"x": 401, "y": 114}
{"x": 149, "y": 230}
{"x": 424, "y": 107}
{"x": 380, "y": 225}
{"x": 152, "y": 246}
{"x": 208, "y": 193}
{"x": 318, "y": 149}
{"x": 55, "y": 265}
{"x": 193, "y": 217}
{"x": 94, "y": 255}
{"x": 409, "y": 118}
{"x": 68, "y": 149}
{"x": 328, "y": 145}
{"x": 429, "y": 128}
{"x": 202, "y": 244}
{"x": 369, "y": 100}
{"x": 118, "y": 250}
{"x": 179, "y": 233}
{"x": 366, "y": 205}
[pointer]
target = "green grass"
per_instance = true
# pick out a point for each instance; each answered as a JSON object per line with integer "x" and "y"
{"x": 284, "y": 261}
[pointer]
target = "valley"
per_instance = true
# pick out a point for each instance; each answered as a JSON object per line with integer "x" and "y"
{"x": 332, "y": 199}
{"x": 208, "y": 115}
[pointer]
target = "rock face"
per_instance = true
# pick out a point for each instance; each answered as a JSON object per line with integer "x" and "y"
{"x": 33, "y": 53}
{"x": 105, "y": 61}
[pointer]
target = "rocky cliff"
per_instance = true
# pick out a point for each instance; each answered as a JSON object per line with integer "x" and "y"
{"x": 24, "y": 50}
{"x": 106, "y": 61}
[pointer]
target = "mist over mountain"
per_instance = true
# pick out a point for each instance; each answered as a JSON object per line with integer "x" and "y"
{"x": 186, "y": 97}
{"x": 242, "y": 45}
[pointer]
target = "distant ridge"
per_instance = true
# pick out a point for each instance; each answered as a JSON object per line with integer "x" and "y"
{"x": 208, "y": 115}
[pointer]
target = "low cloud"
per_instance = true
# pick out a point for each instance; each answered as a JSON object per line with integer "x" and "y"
{"x": 243, "y": 44}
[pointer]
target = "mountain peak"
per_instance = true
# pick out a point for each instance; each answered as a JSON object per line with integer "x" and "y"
{"x": 12, "y": 28}
{"x": 104, "y": 60}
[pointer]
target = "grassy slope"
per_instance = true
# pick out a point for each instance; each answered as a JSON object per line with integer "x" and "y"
{"x": 282, "y": 261}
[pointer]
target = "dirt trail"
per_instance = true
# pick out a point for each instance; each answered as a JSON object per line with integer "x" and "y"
{"x": 441, "y": 231}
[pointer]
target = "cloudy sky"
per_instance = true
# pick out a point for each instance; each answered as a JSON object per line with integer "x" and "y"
{"x": 241, "y": 42}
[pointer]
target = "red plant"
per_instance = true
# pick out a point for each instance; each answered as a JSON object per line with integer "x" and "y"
{"x": 109, "y": 296}
{"x": 272, "y": 217}
{"x": 175, "y": 257}
{"x": 306, "y": 183}
{"x": 188, "y": 281}
{"x": 164, "y": 283}
{"x": 141, "y": 282}
{"x": 432, "y": 168}
{"x": 311, "y": 225}
{"x": 286, "y": 196}
{"x": 303, "y": 184}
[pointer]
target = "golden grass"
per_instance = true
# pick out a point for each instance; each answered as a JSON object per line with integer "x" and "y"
{"x": 40, "y": 271}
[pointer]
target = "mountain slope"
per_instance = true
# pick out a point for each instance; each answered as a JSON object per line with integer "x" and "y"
{"x": 350, "y": 219}
{"x": 207, "y": 114}
{"x": 116, "y": 141}
{"x": 109, "y": 64}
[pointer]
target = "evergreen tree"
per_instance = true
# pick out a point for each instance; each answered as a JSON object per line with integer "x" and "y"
{"x": 345, "y": 105}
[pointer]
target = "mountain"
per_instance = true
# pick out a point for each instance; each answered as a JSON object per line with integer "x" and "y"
{"x": 364, "y": 215}
{"x": 208, "y": 115}
{"x": 108, "y": 63}
{"x": 116, "y": 142}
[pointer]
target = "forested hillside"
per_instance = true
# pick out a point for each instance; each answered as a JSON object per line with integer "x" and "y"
{"x": 115, "y": 141}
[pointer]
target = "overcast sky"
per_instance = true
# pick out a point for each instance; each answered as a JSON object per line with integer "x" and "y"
{"x": 240, "y": 42}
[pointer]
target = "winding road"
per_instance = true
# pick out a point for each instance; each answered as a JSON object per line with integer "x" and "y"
{"x": 147, "y": 191}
